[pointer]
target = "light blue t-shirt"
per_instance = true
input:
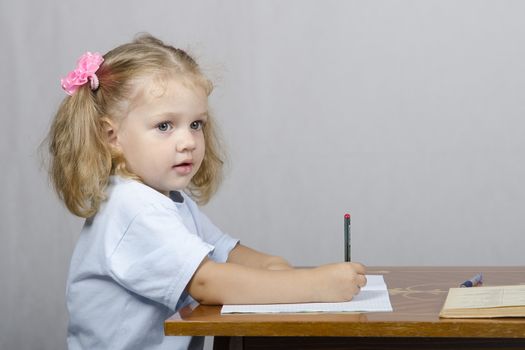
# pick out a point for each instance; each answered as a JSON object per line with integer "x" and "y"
{"x": 131, "y": 265}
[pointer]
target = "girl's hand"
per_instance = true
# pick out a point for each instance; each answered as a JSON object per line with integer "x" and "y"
{"x": 339, "y": 282}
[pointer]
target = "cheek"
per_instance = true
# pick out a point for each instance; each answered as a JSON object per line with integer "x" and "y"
{"x": 128, "y": 149}
{"x": 198, "y": 153}
{"x": 202, "y": 147}
{"x": 133, "y": 148}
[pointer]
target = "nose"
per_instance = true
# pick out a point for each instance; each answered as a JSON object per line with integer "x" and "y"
{"x": 186, "y": 141}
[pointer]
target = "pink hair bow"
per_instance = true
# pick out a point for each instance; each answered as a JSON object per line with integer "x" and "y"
{"x": 87, "y": 65}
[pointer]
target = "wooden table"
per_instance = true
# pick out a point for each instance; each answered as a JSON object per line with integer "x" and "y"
{"x": 417, "y": 295}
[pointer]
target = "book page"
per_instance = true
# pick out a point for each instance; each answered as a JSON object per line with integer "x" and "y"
{"x": 485, "y": 297}
{"x": 372, "y": 298}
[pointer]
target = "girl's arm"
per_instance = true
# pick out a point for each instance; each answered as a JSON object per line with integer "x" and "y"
{"x": 246, "y": 256}
{"x": 228, "y": 283}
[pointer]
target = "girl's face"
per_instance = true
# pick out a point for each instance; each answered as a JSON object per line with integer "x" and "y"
{"x": 161, "y": 138}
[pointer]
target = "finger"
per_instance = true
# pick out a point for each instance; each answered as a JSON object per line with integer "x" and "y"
{"x": 359, "y": 268}
{"x": 361, "y": 281}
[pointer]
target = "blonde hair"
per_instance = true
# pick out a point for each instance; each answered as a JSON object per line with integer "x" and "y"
{"x": 81, "y": 157}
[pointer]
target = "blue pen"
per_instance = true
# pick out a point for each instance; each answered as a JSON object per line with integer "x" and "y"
{"x": 474, "y": 281}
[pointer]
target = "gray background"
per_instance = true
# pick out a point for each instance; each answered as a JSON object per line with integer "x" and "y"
{"x": 408, "y": 114}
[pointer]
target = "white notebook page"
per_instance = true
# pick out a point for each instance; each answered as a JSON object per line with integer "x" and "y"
{"x": 372, "y": 298}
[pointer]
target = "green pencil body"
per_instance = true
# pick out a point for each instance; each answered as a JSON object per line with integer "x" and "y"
{"x": 348, "y": 245}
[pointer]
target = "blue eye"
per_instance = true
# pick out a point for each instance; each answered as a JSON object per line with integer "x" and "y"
{"x": 164, "y": 126}
{"x": 196, "y": 125}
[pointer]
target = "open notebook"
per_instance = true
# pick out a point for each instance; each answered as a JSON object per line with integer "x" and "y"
{"x": 372, "y": 298}
{"x": 481, "y": 302}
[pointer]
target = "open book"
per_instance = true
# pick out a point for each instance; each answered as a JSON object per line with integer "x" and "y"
{"x": 485, "y": 302}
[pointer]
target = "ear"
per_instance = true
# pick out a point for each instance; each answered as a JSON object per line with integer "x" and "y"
{"x": 110, "y": 128}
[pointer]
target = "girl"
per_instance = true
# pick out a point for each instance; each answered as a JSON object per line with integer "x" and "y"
{"x": 131, "y": 148}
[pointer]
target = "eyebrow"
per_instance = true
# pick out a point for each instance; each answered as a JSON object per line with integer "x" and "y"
{"x": 178, "y": 115}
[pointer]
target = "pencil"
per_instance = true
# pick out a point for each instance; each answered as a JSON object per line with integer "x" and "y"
{"x": 348, "y": 245}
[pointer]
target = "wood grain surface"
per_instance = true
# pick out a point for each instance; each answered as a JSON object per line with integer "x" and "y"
{"x": 417, "y": 295}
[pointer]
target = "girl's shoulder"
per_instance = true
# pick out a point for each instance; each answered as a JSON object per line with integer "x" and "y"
{"x": 132, "y": 195}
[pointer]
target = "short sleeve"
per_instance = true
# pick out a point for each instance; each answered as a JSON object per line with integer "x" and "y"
{"x": 157, "y": 256}
{"x": 222, "y": 242}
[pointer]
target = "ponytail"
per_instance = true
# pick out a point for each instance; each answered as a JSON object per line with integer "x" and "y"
{"x": 81, "y": 157}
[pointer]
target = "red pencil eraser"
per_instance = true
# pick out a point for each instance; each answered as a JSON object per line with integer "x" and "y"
{"x": 347, "y": 216}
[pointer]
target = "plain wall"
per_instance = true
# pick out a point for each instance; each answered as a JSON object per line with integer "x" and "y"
{"x": 407, "y": 114}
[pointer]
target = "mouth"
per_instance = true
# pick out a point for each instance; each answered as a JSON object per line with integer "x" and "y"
{"x": 183, "y": 168}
